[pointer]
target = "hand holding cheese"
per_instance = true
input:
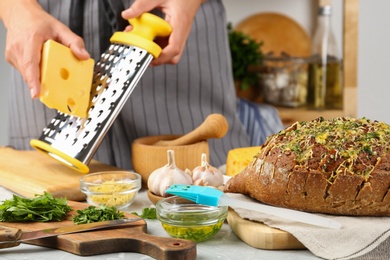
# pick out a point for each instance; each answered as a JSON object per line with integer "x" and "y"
{"x": 28, "y": 27}
{"x": 65, "y": 80}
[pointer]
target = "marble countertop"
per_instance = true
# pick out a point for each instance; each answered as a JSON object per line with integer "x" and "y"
{"x": 224, "y": 245}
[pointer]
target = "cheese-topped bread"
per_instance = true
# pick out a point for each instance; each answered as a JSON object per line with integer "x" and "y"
{"x": 339, "y": 166}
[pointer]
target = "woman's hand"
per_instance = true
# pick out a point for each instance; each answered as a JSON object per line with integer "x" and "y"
{"x": 28, "y": 27}
{"x": 179, "y": 14}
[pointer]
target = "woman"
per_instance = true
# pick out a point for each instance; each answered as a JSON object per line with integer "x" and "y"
{"x": 191, "y": 79}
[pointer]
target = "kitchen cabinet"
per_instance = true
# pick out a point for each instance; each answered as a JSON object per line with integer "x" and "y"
{"x": 349, "y": 50}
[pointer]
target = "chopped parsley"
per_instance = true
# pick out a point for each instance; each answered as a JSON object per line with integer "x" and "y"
{"x": 97, "y": 214}
{"x": 41, "y": 208}
{"x": 147, "y": 213}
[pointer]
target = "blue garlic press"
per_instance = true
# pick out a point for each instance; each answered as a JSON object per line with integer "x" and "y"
{"x": 214, "y": 197}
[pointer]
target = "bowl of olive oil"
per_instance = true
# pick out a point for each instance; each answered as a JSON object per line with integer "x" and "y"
{"x": 185, "y": 219}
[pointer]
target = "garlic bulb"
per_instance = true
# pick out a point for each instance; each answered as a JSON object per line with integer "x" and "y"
{"x": 207, "y": 175}
{"x": 163, "y": 178}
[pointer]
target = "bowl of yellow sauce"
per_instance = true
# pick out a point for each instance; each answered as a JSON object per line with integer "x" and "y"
{"x": 112, "y": 188}
{"x": 185, "y": 219}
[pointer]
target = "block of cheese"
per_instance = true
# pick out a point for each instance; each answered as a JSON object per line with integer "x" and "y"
{"x": 65, "y": 80}
{"x": 239, "y": 158}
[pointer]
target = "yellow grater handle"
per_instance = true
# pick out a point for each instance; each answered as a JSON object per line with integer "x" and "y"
{"x": 60, "y": 156}
{"x": 145, "y": 29}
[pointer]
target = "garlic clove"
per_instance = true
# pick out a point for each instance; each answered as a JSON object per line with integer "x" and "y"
{"x": 188, "y": 171}
{"x": 162, "y": 178}
{"x": 200, "y": 182}
{"x": 205, "y": 174}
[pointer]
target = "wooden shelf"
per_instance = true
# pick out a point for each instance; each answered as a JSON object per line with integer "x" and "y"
{"x": 350, "y": 47}
{"x": 292, "y": 115}
{"x": 350, "y": 59}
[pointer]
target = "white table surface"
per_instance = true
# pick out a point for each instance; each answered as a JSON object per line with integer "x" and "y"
{"x": 224, "y": 245}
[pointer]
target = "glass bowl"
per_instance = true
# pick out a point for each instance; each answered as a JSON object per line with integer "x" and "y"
{"x": 185, "y": 219}
{"x": 111, "y": 188}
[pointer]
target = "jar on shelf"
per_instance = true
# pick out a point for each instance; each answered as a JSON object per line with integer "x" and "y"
{"x": 283, "y": 80}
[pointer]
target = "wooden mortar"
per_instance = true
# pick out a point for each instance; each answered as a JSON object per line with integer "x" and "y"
{"x": 150, "y": 153}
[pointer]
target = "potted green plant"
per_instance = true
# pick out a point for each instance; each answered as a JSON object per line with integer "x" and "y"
{"x": 245, "y": 53}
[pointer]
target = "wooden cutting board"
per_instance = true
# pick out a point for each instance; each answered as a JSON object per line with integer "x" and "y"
{"x": 130, "y": 237}
{"x": 279, "y": 33}
{"x": 261, "y": 236}
{"x": 32, "y": 172}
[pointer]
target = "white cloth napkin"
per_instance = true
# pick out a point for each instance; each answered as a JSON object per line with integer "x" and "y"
{"x": 359, "y": 237}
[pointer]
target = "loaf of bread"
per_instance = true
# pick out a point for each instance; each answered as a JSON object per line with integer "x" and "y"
{"x": 339, "y": 166}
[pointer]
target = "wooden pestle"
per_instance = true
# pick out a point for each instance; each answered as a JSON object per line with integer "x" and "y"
{"x": 214, "y": 126}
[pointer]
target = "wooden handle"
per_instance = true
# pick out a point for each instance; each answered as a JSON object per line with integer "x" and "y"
{"x": 132, "y": 239}
{"x": 214, "y": 126}
{"x": 9, "y": 234}
{"x": 163, "y": 248}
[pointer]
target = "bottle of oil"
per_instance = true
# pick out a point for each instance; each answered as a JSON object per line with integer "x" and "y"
{"x": 325, "y": 90}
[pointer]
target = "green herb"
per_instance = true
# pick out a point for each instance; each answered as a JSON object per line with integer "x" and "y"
{"x": 41, "y": 208}
{"x": 245, "y": 52}
{"x": 97, "y": 214}
{"x": 147, "y": 213}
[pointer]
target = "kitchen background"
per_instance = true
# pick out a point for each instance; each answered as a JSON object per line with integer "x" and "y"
{"x": 373, "y": 49}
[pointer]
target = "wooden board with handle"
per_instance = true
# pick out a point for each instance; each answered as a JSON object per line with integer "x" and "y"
{"x": 278, "y": 32}
{"x": 130, "y": 237}
{"x": 261, "y": 236}
{"x": 32, "y": 172}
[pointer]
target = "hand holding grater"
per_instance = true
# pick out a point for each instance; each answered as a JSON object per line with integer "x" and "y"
{"x": 73, "y": 140}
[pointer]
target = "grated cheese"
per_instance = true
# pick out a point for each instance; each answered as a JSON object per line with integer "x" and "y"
{"x": 113, "y": 193}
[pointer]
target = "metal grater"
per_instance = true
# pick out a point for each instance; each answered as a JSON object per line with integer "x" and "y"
{"x": 73, "y": 140}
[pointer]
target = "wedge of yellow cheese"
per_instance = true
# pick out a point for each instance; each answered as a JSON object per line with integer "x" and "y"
{"x": 65, "y": 80}
{"x": 239, "y": 158}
